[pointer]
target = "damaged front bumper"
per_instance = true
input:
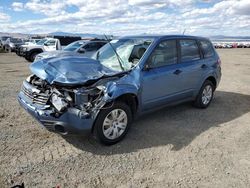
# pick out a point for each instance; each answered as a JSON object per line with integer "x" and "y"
{"x": 71, "y": 120}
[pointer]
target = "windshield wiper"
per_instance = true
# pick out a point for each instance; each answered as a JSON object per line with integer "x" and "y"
{"x": 117, "y": 55}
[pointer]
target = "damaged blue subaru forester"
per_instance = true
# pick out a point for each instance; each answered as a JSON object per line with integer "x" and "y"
{"x": 125, "y": 78}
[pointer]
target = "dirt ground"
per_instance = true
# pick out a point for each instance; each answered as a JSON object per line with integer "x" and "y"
{"x": 179, "y": 146}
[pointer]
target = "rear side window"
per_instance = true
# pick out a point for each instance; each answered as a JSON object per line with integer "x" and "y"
{"x": 189, "y": 50}
{"x": 207, "y": 48}
{"x": 164, "y": 54}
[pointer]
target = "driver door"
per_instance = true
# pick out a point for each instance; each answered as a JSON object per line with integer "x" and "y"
{"x": 162, "y": 80}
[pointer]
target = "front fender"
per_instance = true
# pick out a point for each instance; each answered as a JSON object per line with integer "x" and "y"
{"x": 116, "y": 90}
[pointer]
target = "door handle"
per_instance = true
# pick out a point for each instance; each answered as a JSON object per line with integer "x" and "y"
{"x": 203, "y": 66}
{"x": 177, "y": 71}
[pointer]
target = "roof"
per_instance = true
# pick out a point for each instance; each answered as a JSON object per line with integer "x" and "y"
{"x": 164, "y": 36}
{"x": 92, "y": 40}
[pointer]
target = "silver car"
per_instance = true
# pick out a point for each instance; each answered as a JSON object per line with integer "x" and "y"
{"x": 86, "y": 48}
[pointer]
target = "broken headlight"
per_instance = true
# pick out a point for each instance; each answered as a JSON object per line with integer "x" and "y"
{"x": 58, "y": 102}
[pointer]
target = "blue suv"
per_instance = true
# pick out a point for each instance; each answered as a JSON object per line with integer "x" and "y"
{"x": 127, "y": 77}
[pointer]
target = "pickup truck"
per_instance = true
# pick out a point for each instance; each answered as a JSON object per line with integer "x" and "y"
{"x": 29, "y": 52}
{"x": 29, "y": 42}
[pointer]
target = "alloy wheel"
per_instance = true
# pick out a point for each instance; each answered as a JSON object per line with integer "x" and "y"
{"x": 115, "y": 124}
{"x": 207, "y": 94}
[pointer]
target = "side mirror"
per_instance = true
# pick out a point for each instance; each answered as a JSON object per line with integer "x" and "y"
{"x": 45, "y": 44}
{"x": 150, "y": 63}
{"x": 147, "y": 67}
{"x": 81, "y": 51}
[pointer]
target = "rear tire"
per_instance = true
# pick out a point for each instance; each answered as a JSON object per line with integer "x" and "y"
{"x": 112, "y": 124}
{"x": 205, "y": 95}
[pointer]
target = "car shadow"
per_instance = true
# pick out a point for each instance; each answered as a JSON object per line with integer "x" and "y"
{"x": 176, "y": 126}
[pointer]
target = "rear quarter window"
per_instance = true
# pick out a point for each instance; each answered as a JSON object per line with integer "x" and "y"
{"x": 207, "y": 48}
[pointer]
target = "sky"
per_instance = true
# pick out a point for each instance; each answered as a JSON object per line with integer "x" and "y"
{"x": 127, "y": 17}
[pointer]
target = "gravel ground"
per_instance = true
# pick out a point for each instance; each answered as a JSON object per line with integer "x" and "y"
{"x": 179, "y": 146}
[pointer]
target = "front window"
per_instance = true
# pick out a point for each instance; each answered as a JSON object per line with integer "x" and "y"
{"x": 74, "y": 46}
{"x": 50, "y": 43}
{"x": 36, "y": 41}
{"x": 41, "y": 42}
{"x": 164, "y": 54}
{"x": 130, "y": 52}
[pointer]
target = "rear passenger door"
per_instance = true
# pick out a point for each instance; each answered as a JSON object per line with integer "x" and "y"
{"x": 191, "y": 63}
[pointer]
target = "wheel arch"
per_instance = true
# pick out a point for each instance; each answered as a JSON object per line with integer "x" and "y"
{"x": 131, "y": 100}
{"x": 37, "y": 50}
{"x": 213, "y": 80}
{"x": 128, "y": 98}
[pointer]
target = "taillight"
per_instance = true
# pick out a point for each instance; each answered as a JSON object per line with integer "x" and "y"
{"x": 219, "y": 62}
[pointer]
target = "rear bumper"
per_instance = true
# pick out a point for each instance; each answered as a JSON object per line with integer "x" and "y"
{"x": 70, "y": 122}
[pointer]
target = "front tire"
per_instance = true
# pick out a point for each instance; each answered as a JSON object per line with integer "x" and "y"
{"x": 112, "y": 124}
{"x": 205, "y": 95}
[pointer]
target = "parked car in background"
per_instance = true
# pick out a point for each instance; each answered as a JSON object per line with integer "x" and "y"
{"x": 127, "y": 77}
{"x": 3, "y": 40}
{"x": 244, "y": 45}
{"x": 32, "y": 41}
{"x": 29, "y": 42}
{"x": 11, "y": 44}
{"x": 26, "y": 47}
{"x": 85, "y": 48}
{"x": 247, "y": 45}
{"x": 231, "y": 44}
{"x": 48, "y": 44}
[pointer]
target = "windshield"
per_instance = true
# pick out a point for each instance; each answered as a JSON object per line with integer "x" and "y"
{"x": 73, "y": 46}
{"x": 41, "y": 42}
{"x": 130, "y": 52}
{"x": 16, "y": 40}
{"x": 36, "y": 41}
{"x": 30, "y": 41}
{"x": 4, "y": 38}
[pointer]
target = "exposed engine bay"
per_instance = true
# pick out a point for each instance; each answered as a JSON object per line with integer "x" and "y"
{"x": 88, "y": 99}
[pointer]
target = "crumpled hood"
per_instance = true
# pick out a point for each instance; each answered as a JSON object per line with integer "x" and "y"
{"x": 70, "y": 70}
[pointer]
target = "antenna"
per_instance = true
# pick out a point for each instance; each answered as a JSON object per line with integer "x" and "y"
{"x": 184, "y": 31}
{"x": 117, "y": 55}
